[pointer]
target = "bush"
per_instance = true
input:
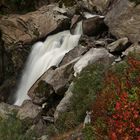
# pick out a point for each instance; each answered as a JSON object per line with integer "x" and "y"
{"x": 13, "y": 129}
{"x": 119, "y": 102}
{"x": 86, "y": 87}
{"x": 88, "y": 133}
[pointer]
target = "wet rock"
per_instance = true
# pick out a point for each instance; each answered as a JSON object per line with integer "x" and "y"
{"x": 6, "y": 109}
{"x": 94, "y": 55}
{"x": 28, "y": 110}
{"x": 119, "y": 45}
{"x": 123, "y": 20}
{"x": 94, "y": 26}
{"x": 40, "y": 91}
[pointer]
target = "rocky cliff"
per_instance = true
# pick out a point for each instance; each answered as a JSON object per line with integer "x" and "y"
{"x": 97, "y": 75}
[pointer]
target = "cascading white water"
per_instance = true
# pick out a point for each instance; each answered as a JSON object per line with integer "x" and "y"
{"x": 43, "y": 56}
{"x": 79, "y": 28}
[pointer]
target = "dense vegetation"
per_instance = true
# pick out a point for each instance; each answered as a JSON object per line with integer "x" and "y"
{"x": 114, "y": 97}
{"x": 86, "y": 86}
{"x": 117, "y": 108}
{"x": 12, "y": 128}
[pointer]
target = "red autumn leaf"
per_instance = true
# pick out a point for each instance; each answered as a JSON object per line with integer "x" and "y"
{"x": 117, "y": 107}
{"x": 113, "y": 136}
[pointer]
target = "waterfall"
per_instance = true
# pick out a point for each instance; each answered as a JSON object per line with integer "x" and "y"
{"x": 43, "y": 56}
{"x": 79, "y": 28}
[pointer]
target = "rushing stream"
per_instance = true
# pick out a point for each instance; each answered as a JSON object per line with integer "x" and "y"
{"x": 43, "y": 56}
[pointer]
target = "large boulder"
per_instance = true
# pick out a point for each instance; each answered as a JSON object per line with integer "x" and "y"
{"x": 57, "y": 79}
{"x": 93, "y": 56}
{"x": 123, "y": 20}
{"x": 41, "y": 90}
{"x": 94, "y": 26}
{"x": 18, "y": 31}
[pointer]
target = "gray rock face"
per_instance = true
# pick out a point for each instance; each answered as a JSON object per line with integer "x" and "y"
{"x": 31, "y": 26}
{"x": 28, "y": 111}
{"x": 6, "y": 109}
{"x": 74, "y": 53}
{"x": 58, "y": 79}
{"x": 64, "y": 104}
{"x": 118, "y": 46}
{"x": 123, "y": 20}
{"x": 94, "y": 55}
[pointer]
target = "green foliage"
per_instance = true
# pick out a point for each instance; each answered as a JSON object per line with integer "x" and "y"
{"x": 86, "y": 87}
{"x": 13, "y": 129}
{"x": 88, "y": 133}
{"x": 99, "y": 123}
{"x": 118, "y": 105}
{"x": 66, "y": 121}
{"x": 51, "y": 130}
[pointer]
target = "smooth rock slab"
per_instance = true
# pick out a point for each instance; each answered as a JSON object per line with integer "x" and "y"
{"x": 92, "y": 56}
